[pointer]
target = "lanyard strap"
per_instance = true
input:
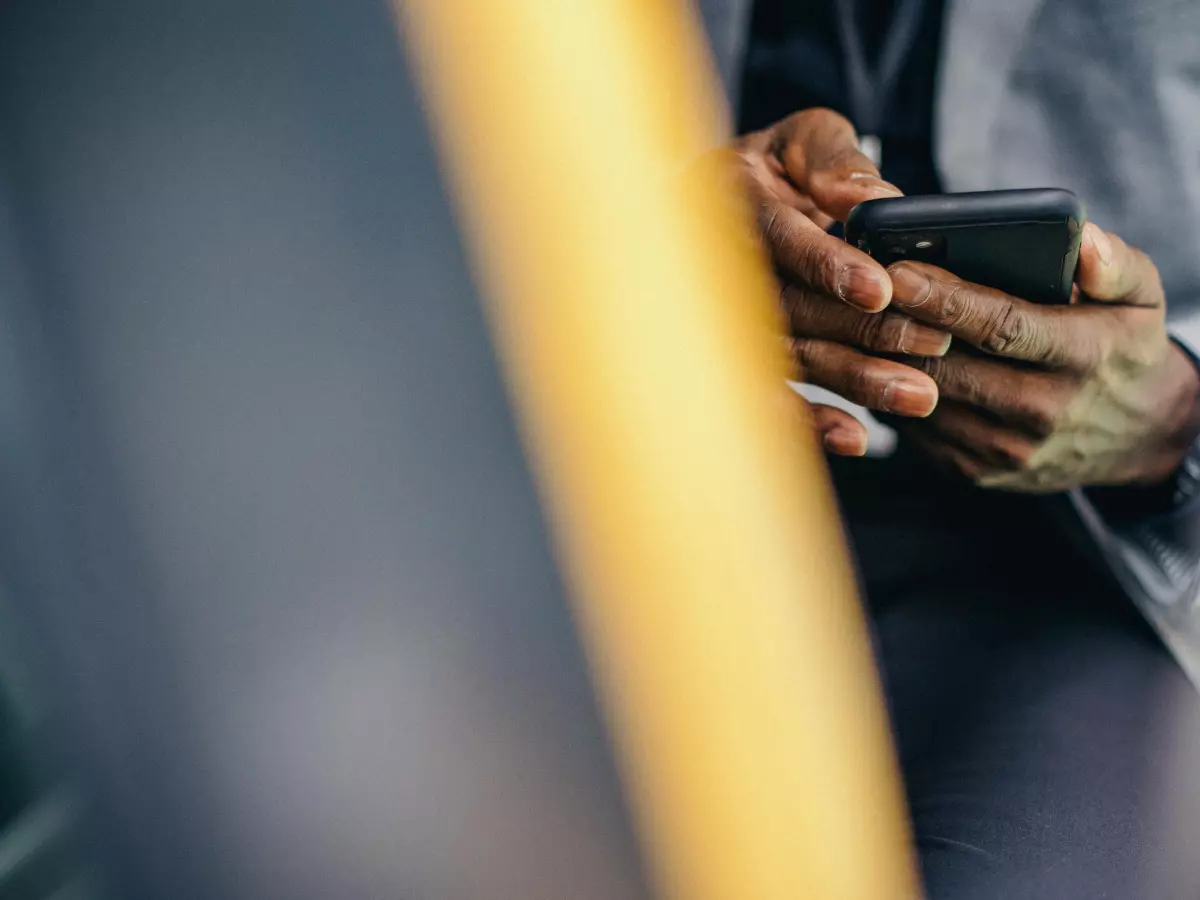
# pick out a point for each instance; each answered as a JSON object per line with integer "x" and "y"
{"x": 871, "y": 89}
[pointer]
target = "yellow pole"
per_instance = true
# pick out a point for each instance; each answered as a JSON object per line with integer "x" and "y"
{"x": 635, "y": 325}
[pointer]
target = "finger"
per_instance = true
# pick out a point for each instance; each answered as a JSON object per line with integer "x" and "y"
{"x": 819, "y": 260}
{"x": 763, "y": 170}
{"x": 998, "y": 448}
{"x": 840, "y": 432}
{"x": 878, "y": 384}
{"x": 1110, "y": 271}
{"x": 793, "y": 226}
{"x": 995, "y": 322}
{"x": 815, "y": 315}
{"x": 1026, "y": 399}
{"x": 949, "y": 455}
{"x": 820, "y": 153}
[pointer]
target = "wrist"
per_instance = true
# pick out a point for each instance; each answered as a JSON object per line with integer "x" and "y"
{"x": 1179, "y": 388}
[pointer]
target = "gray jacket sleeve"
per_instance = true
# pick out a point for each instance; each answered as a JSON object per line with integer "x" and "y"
{"x": 1157, "y": 562}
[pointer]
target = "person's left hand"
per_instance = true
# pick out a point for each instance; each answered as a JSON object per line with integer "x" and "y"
{"x": 1048, "y": 398}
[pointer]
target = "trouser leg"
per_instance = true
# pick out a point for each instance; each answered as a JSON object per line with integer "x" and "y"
{"x": 1050, "y": 746}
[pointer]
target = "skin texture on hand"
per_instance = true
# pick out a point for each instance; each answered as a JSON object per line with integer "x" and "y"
{"x": 1046, "y": 398}
{"x": 802, "y": 175}
{"x": 1027, "y": 398}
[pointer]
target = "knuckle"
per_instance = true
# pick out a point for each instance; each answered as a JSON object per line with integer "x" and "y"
{"x": 890, "y": 332}
{"x": 870, "y": 332}
{"x": 1041, "y": 418}
{"x": 862, "y": 387}
{"x": 979, "y": 386}
{"x": 958, "y": 379}
{"x": 953, "y": 307}
{"x": 1006, "y": 331}
{"x": 820, "y": 262}
{"x": 967, "y": 467}
{"x": 1012, "y": 454}
{"x": 934, "y": 367}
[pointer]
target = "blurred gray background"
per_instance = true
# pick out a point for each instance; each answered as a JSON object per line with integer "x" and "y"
{"x": 281, "y": 620}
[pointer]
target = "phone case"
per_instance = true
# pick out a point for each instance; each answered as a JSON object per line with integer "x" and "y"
{"x": 1023, "y": 242}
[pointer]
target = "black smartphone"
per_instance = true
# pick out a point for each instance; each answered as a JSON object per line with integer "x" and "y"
{"x": 1022, "y": 242}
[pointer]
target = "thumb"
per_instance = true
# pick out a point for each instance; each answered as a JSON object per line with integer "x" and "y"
{"x": 821, "y": 156}
{"x": 1110, "y": 271}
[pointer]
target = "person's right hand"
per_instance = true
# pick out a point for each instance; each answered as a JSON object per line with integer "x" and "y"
{"x": 803, "y": 174}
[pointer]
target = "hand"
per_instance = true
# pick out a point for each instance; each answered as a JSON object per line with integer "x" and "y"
{"x": 1059, "y": 396}
{"x": 802, "y": 175}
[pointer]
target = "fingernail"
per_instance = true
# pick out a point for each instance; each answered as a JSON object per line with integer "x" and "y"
{"x": 909, "y": 286}
{"x": 921, "y": 340}
{"x": 844, "y": 442}
{"x": 1102, "y": 244}
{"x": 909, "y": 398}
{"x": 875, "y": 186}
{"x": 863, "y": 287}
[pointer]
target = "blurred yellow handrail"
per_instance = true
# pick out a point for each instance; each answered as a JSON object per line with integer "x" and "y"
{"x": 635, "y": 324}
